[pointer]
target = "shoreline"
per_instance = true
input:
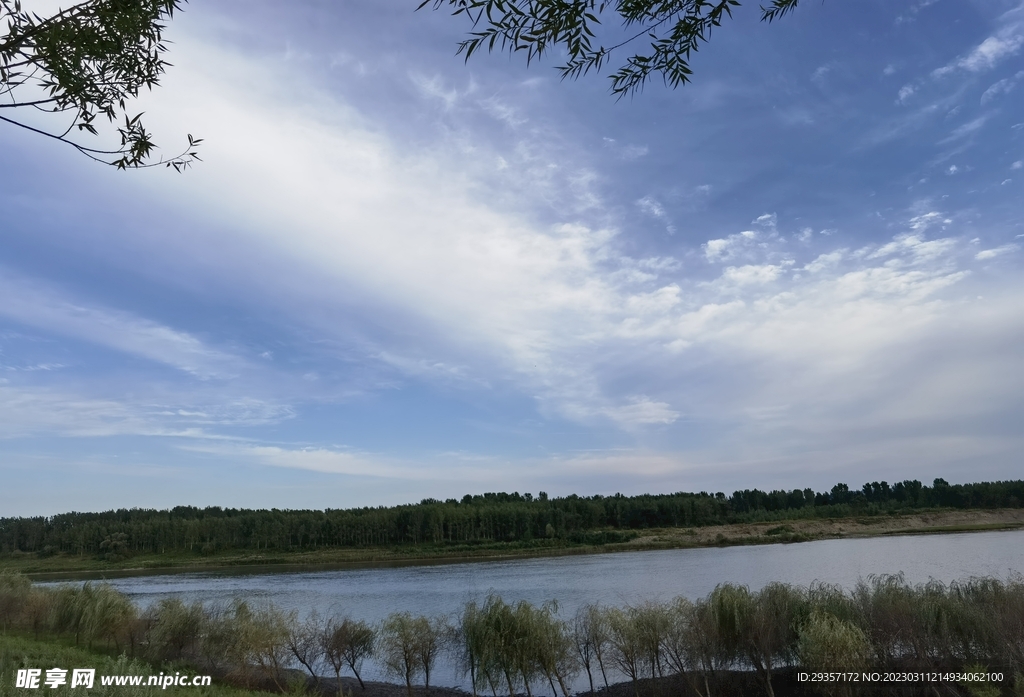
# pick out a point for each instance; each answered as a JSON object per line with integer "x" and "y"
{"x": 734, "y": 534}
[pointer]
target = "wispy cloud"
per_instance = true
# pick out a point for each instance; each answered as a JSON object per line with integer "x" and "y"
{"x": 76, "y": 410}
{"x": 1004, "y": 86}
{"x": 652, "y": 207}
{"x": 557, "y": 308}
{"x": 988, "y": 54}
{"x": 965, "y": 130}
{"x": 36, "y": 305}
{"x": 996, "y": 251}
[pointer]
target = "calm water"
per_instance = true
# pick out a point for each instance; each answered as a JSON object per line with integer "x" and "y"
{"x": 612, "y": 579}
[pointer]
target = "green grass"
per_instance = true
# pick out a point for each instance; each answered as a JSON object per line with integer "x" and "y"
{"x": 23, "y": 652}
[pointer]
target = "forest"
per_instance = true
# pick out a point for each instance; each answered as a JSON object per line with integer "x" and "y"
{"x": 473, "y": 520}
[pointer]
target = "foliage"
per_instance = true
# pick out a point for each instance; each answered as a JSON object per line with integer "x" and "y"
{"x": 347, "y": 643}
{"x": 82, "y": 64}
{"x": 770, "y": 629}
{"x": 408, "y": 646}
{"x": 674, "y": 28}
{"x": 827, "y": 643}
{"x": 553, "y": 648}
{"x": 262, "y": 636}
{"x": 175, "y": 629}
{"x": 18, "y": 652}
{"x": 590, "y": 637}
{"x": 306, "y": 644}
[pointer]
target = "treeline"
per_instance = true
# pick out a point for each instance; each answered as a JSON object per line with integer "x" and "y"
{"x": 473, "y": 520}
{"x": 883, "y": 625}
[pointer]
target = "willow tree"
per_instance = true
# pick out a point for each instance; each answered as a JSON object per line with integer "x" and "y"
{"x": 826, "y": 642}
{"x": 771, "y": 629}
{"x": 63, "y": 75}
{"x": 347, "y": 642}
{"x": 672, "y": 31}
{"x": 590, "y": 638}
{"x": 409, "y": 646}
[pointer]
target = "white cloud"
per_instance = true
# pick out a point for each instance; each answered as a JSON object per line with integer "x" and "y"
{"x": 67, "y": 411}
{"x": 45, "y": 308}
{"x": 640, "y": 411}
{"x": 652, "y": 207}
{"x": 626, "y": 152}
{"x": 825, "y": 261}
{"x": 742, "y": 243}
{"x": 1004, "y": 86}
{"x": 504, "y": 112}
{"x": 767, "y": 220}
{"x": 965, "y": 130}
{"x": 634, "y": 152}
{"x": 987, "y": 54}
{"x": 433, "y": 242}
{"x": 26, "y": 412}
{"x": 715, "y": 250}
{"x": 434, "y": 87}
{"x": 660, "y": 263}
{"x": 1017, "y": 165}
{"x": 905, "y": 93}
{"x": 913, "y": 11}
{"x": 751, "y": 274}
{"x": 820, "y": 74}
{"x": 996, "y": 251}
{"x": 924, "y": 221}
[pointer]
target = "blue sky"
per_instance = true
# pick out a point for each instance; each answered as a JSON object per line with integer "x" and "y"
{"x": 396, "y": 275}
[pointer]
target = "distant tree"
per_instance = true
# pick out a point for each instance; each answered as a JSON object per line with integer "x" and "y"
{"x": 81, "y": 65}
{"x": 115, "y": 547}
{"x": 674, "y": 28}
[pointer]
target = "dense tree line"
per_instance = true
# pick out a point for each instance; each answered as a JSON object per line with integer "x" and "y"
{"x": 884, "y": 624}
{"x": 473, "y": 520}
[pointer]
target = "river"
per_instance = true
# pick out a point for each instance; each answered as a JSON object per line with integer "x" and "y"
{"x": 612, "y": 579}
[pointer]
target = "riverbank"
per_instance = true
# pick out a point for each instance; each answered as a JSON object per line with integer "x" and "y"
{"x": 58, "y": 566}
